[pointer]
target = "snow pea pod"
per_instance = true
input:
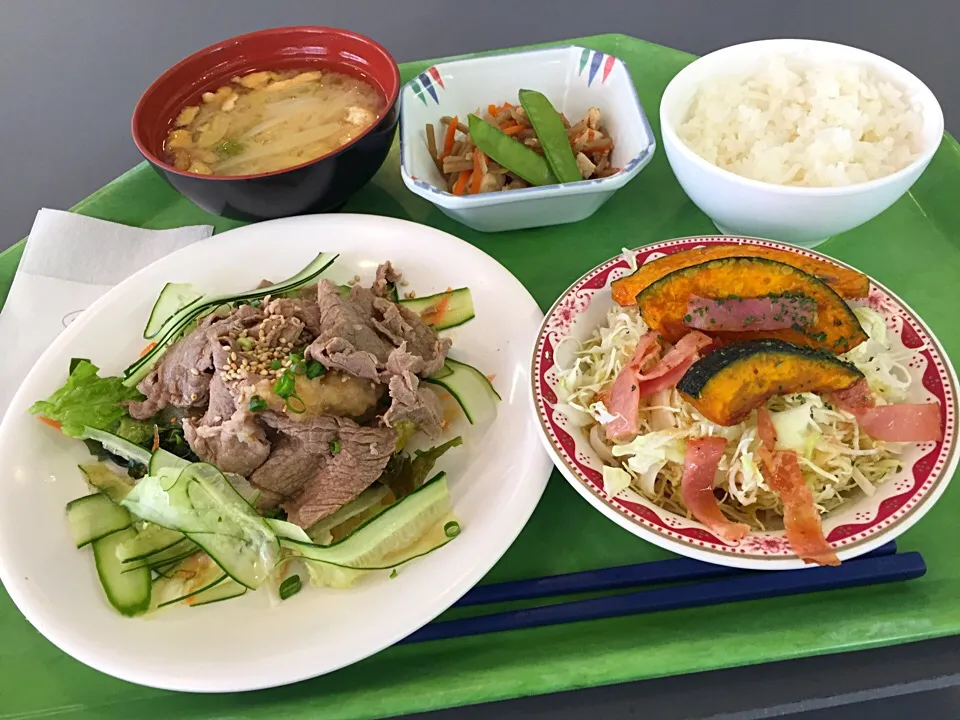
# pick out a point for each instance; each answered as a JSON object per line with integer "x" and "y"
{"x": 553, "y": 137}
{"x": 513, "y": 155}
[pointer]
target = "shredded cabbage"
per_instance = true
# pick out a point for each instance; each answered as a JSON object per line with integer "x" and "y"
{"x": 835, "y": 457}
{"x": 615, "y": 480}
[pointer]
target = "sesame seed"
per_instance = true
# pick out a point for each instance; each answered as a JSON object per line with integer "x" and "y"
{"x": 403, "y": 283}
{"x": 193, "y": 396}
{"x": 264, "y": 373}
{"x": 218, "y": 418}
{"x": 343, "y": 379}
{"x": 194, "y": 371}
{"x": 356, "y": 278}
{"x": 223, "y": 376}
{"x": 233, "y": 356}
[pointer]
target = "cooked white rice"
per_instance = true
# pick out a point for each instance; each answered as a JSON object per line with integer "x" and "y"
{"x": 810, "y": 125}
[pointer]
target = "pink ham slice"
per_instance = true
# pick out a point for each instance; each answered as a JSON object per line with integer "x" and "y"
{"x": 781, "y": 468}
{"x": 890, "y": 423}
{"x": 739, "y": 314}
{"x": 700, "y": 462}
{"x": 633, "y": 383}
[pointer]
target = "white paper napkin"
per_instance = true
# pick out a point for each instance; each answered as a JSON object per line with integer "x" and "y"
{"x": 71, "y": 260}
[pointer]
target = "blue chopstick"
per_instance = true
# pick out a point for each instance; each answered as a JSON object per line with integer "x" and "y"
{"x": 615, "y": 578}
{"x": 749, "y": 586}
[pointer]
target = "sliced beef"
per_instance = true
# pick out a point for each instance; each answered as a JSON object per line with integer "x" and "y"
{"x": 320, "y": 464}
{"x": 222, "y": 403}
{"x": 359, "y": 332}
{"x": 413, "y": 402}
{"x": 182, "y": 376}
{"x": 386, "y": 276}
{"x": 346, "y": 340}
{"x": 362, "y": 455}
{"x": 299, "y": 449}
{"x": 410, "y": 401}
{"x": 305, "y": 310}
{"x": 405, "y": 328}
{"x": 238, "y": 445}
{"x": 339, "y": 354}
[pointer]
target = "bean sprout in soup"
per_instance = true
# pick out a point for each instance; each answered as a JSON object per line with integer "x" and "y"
{"x": 268, "y": 121}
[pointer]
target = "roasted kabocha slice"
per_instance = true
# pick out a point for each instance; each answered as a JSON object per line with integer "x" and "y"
{"x": 847, "y": 282}
{"x": 726, "y": 385}
{"x": 744, "y": 298}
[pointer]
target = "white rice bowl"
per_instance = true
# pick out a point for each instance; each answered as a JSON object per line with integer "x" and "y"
{"x": 803, "y": 124}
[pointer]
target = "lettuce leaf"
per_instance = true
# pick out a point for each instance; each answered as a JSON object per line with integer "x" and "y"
{"x": 87, "y": 399}
{"x": 404, "y": 473}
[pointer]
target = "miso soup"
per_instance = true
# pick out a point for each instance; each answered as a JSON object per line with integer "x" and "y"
{"x": 267, "y": 121}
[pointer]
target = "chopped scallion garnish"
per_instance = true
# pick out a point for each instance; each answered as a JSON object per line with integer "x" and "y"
{"x": 289, "y": 587}
{"x": 296, "y": 405}
{"x": 257, "y": 404}
{"x": 315, "y": 369}
{"x": 285, "y": 385}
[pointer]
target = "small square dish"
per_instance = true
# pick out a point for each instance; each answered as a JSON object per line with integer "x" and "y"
{"x": 574, "y": 79}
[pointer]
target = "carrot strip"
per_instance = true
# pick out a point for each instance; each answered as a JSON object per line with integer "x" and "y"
{"x": 450, "y": 137}
{"x": 493, "y": 110}
{"x": 148, "y": 348}
{"x": 460, "y": 186}
{"x": 156, "y": 438}
{"x": 477, "y": 177}
{"x": 514, "y": 129}
{"x": 52, "y": 423}
{"x": 433, "y": 315}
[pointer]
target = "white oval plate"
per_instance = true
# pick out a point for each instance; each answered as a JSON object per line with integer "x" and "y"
{"x": 861, "y": 525}
{"x": 496, "y": 478}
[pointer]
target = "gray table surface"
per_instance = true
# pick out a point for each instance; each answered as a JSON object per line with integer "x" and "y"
{"x": 71, "y": 71}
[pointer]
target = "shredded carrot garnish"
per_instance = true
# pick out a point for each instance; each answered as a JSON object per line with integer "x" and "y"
{"x": 493, "y": 110}
{"x": 514, "y": 129}
{"x": 450, "y": 137}
{"x": 147, "y": 349}
{"x": 505, "y": 106}
{"x": 433, "y": 315}
{"x": 477, "y": 172}
{"x": 460, "y": 187}
{"x": 52, "y": 423}
{"x": 491, "y": 378}
{"x": 156, "y": 438}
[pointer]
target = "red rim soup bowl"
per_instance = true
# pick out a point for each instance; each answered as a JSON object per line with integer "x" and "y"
{"x": 319, "y": 185}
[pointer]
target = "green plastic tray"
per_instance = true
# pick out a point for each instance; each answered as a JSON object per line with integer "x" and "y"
{"x": 913, "y": 248}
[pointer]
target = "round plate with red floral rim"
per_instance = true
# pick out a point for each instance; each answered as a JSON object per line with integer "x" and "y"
{"x": 862, "y": 523}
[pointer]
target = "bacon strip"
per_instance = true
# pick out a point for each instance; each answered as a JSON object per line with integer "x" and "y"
{"x": 624, "y": 399}
{"x": 739, "y": 314}
{"x": 800, "y": 517}
{"x": 700, "y": 463}
{"x": 634, "y": 383}
{"x": 674, "y": 364}
{"x": 891, "y": 423}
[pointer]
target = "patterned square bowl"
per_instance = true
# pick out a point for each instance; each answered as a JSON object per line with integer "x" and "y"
{"x": 574, "y": 79}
